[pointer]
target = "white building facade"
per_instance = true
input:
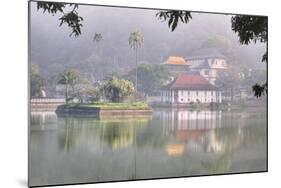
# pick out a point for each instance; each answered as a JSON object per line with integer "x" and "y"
{"x": 208, "y": 62}
{"x": 187, "y": 89}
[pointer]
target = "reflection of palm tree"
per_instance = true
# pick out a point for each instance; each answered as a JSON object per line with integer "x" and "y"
{"x": 70, "y": 136}
{"x": 135, "y": 153}
{"x": 119, "y": 133}
{"x": 116, "y": 135}
{"x": 68, "y": 139}
{"x": 66, "y": 142}
{"x": 222, "y": 165}
{"x": 135, "y": 42}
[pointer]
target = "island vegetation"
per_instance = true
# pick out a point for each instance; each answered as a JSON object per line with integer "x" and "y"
{"x": 114, "y": 94}
{"x": 111, "y": 106}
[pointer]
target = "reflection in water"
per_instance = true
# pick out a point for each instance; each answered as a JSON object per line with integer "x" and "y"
{"x": 70, "y": 135}
{"x": 120, "y": 134}
{"x": 202, "y": 130}
{"x": 40, "y": 119}
{"x": 170, "y": 143}
{"x": 116, "y": 133}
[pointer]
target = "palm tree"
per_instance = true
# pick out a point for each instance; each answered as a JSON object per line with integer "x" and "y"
{"x": 135, "y": 42}
{"x": 97, "y": 39}
{"x": 69, "y": 78}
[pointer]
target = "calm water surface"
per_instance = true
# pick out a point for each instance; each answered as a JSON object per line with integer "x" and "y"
{"x": 167, "y": 144}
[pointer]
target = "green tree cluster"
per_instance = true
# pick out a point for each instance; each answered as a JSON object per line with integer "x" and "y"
{"x": 150, "y": 78}
{"x": 89, "y": 94}
{"x": 36, "y": 81}
{"x": 116, "y": 88}
{"x": 70, "y": 79}
{"x": 252, "y": 29}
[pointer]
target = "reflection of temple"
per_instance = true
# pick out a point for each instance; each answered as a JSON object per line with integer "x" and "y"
{"x": 198, "y": 131}
{"x": 190, "y": 120}
{"x": 175, "y": 149}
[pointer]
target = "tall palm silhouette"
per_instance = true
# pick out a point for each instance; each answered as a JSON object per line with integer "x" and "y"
{"x": 97, "y": 39}
{"x": 135, "y": 42}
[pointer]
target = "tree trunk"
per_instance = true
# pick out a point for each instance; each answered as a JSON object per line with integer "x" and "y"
{"x": 66, "y": 93}
{"x": 136, "y": 69}
{"x": 231, "y": 95}
{"x": 73, "y": 90}
{"x": 115, "y": 96}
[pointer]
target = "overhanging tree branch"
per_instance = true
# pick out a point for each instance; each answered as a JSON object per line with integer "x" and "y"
{"x": 71, "y": 18}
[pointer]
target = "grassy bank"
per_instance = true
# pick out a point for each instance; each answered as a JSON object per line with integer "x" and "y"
{"x": 112, "y": 106}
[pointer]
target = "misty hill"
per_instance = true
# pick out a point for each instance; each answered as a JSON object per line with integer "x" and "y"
{"x": 52, "y": 49}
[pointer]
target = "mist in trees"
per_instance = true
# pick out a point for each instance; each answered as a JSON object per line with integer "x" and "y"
{"x": 150, "y": 78}
{"x": 36, "y": 82}
{"x": 166, "y": 33}
{"x": 252, "y": 29}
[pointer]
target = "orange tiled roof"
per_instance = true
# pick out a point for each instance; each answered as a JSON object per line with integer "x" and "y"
{"x": 176, "y": 60}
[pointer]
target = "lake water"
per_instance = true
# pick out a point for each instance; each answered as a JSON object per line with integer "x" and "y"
{"x": 170, "y": 143}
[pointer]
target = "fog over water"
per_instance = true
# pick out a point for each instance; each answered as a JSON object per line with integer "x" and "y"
{"x": 75, "y": 150}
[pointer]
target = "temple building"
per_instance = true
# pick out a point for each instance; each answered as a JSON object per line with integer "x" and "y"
{"x": 188, "y": 89}
{"x": 208, "y": 62}
{"x": 176, "y": 64}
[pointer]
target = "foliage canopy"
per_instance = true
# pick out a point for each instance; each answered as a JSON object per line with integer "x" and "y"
{"x": 150, "y": 78}
{"x": 116, "y": 88}
{"x": 173, "y": 17}
{"x": 36, "y": 81}
{"x": 71, "y": 18}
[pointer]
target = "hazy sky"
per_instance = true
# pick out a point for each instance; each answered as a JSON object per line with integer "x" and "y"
{"x": 52, "y": 44}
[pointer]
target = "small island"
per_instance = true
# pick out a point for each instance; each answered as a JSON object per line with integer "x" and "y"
{"x": 113, "y": 97}
{"x": 99, "y": 109}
